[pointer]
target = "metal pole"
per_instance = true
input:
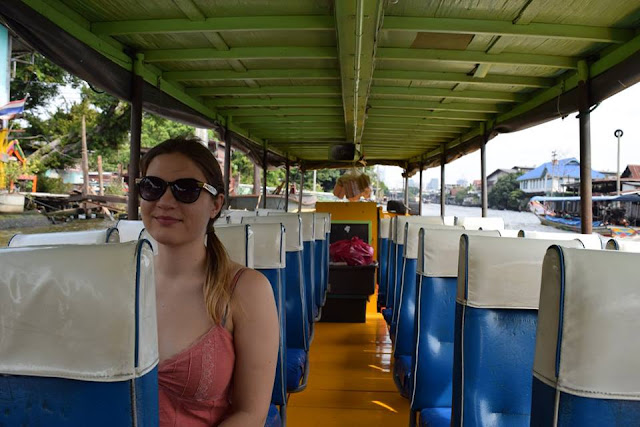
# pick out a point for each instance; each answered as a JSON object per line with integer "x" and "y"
{"x": 137, "y": 85}
{"x": 286, "y": 184}
{"x": 301, "y": 188}
{"x": 420, "y": 193}
{"x": 315, "y": 177}
{"x": 442, "y": 187}
{"x": 586, "y": 214}
{"x": 227, "y": 166}
{"x": 483, "y": 174}
{"x": 618, "y": 134}
{"x": 264, "y": 176}
{"x": 406, "y": 188}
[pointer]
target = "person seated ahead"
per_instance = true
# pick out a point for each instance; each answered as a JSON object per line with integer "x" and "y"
{"x": 217, "y": 320}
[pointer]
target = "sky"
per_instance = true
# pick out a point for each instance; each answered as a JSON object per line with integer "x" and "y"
{"x": 534, "y": 146}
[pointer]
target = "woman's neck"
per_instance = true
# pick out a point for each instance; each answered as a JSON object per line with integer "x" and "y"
{"x": 181, "y": 261}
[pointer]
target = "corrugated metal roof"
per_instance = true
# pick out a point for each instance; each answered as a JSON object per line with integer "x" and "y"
{"x": 566, "y": 168}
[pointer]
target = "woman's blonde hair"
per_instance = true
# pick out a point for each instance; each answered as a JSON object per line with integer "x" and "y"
{"x": 217, "y": 285}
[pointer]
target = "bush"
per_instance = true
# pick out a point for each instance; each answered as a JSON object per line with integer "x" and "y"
{"x": 52, "y": 185}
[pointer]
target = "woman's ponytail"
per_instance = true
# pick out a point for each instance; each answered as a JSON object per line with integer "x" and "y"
{"x": 217, "y": 286}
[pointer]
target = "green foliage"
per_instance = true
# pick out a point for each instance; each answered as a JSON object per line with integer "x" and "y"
{"x": 52, "y": 185}
{"x": 240, "y": 164}
{"x": 460, "y": 195}
{"x": 116, "y": 188}
{"x": 39, "y": 82}
{"x": 506, "y": 193}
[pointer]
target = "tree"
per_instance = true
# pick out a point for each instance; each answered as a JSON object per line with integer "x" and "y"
{"x": 506, "y": 193}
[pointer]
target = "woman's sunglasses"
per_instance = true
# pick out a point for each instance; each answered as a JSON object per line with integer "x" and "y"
{"x": 185, "y": 190}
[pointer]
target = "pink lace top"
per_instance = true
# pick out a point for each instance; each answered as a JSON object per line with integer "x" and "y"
{"x": 195, "y": 384}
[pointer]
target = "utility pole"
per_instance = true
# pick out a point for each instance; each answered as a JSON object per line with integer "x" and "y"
{"x": 618, "y": 134}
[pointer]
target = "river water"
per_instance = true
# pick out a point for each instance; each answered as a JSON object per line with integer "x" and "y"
{"x": 512, "y": 220}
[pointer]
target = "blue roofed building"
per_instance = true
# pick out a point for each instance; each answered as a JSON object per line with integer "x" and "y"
{"x": 553, "y": 177}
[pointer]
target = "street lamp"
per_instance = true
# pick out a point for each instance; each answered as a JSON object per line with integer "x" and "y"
{"x": 618, "y": 134}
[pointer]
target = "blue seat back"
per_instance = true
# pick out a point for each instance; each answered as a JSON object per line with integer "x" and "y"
{"x": 586, "y": 369}
{"x": 325, "y": 256}
{"x": 309, "y": 243}
{"x": 297, "y": 325}
{"x": 391, "y": 264}
{"x": 88, "y": 237}
{"x": 495, "y": 326}
{"x": 407, "y": 270}
{"x": 383, "y": 261}
{"x": 270, "y": 260}
{"x": 319, "y": 258}
{"x": 429, "y": 322}
{"x": 89, "y": 354}
{"x": 238, "y": 241}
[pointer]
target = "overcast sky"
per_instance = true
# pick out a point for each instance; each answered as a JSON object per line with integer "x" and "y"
{"x": 533, "y": 146}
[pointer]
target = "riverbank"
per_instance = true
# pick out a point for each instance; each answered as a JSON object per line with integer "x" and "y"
{"x": 75, "y": 225}
{"x": 23, "y": 220}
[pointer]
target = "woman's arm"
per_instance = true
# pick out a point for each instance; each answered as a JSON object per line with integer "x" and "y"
{"x": 255, "y": 337}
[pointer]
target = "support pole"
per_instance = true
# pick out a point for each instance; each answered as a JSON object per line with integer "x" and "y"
{"x": 586, "y": 213}
{"x": 256, "y": 179}
{"x": 420, "y": 193}
{"x": 137, "y": 85}
{"x": 483, "y": 171}
{"x": 100, "y": 177}
{"x": 264, "y": 176}
{"x": 301, "y": 187}
{"x": 406, "y": 188}
{"x": 443, "y": 160}
{"x": 85, "y": 159}
{"x": 286, "y": 184}
{"x": 227, "y": 166}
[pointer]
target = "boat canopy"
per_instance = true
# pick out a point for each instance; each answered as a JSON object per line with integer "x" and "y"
{"x": 408, "y": 83}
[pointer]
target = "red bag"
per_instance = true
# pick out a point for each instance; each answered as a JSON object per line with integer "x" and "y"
{"x": 353, "y": 252}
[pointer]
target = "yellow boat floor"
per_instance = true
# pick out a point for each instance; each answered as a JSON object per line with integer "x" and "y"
{"x": 350, "y": 381}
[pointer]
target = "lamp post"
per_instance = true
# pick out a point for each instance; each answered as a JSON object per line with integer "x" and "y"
{"x": 618, "y": 134}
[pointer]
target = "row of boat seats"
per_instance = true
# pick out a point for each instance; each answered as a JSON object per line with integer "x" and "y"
{"x": 90, "y": 237}
{"x": 623, "y": 245}
{"x": 590, "y": 241}
{"x": 296, "y": 327}
{"x": 391, "y": 286}
{"x": 79, "y": 345}
{"x": 480, "y": 223}
{"x": 432, "y": 253}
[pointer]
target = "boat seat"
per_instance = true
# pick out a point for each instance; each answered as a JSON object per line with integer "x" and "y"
{"x": 590, "y": 241}
{"x": 273, "y": 417}
{"x": 80, "y": 345}
{"x": 129, "y": 230}
{"x": 88, "y": 237}
{"x": 404, "y": 270}
{"x": 480, "y": 223}
{"x": 623, "y": 245}
{"x": 325, "y": 255}
{"x": 269, "y": 259}
{"x": 426, "y": 321}
{"x": 387, "y": 312}
{"x": 435, "y": 417}
{"x": 297, "y": 328}
{"x": 235, "y": 216}
{"x": 237, "y": 239}
{"x": 383, "y": 253}
{"x": 318, "y": 256}
{"x": 309, "y": 265}
{"x": 586, "y": 369}
{"x": 495, "y": 329}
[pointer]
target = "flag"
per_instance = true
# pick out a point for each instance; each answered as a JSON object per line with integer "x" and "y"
{"x": 8, "y": 111}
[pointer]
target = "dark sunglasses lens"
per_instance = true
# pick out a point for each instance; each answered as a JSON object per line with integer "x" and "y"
{"x": 186, "y": 190}
{"x": 152, "y": 188}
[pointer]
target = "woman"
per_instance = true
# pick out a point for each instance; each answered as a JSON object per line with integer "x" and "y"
{"x": 217, "y": 321}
